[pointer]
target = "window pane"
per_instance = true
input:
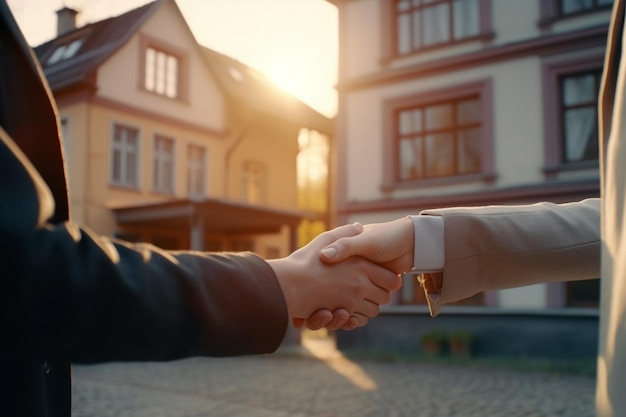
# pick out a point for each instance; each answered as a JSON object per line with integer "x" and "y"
{"x": 469, "y": 151}
{"x": 131, "y": 169}
{"x": 404, "y": 33}
{"x": 439, "y": 116}
{"x": 124, "y": 154}
{"x": 466, "y": 18}
{"x": 581, "y": 142}
{"x": 436, "y": 24}
{"x": 575, "y": 6}
{"x": 160, "y": 73}
{"x": 410, "y": 122}
{"x": 468, "y": 111}
{"x": 405, "y": 125}
{"x": 440, "y": 155}
{"x": 172, "y": 77}
{"x": 440, "y": 140}
{"x": 195, "y": 170}
{"x": 116, "y": 169}
{"x": 403, "y": 5}
{"x": 163, "y": 164}
{"x": 417, "y": 121}
{"x": 150, "y": 63}
{"x": 417, "y": 29}
{"x": 410, "y": 159}
{"x": 580, "y": 89}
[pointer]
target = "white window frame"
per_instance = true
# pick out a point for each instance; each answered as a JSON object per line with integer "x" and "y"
{"x": 196, "y": 166}
{"x": 253, "y": 182}
{"x": 162, "y": 72}
{"x": 160, "y": 159}
{"x": 125, "y": 149}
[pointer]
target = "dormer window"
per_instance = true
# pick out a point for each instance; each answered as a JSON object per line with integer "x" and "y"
{"x": 161, "y": 73}
{"x": 65, "y": 51}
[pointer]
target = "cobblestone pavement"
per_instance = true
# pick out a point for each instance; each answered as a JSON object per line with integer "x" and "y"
{"x": 323, "y": 384}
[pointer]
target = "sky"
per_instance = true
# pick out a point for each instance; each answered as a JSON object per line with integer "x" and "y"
{"x": 294, "y": 42}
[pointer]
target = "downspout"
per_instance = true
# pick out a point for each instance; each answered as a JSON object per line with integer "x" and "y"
{"x": 229, "y": 153}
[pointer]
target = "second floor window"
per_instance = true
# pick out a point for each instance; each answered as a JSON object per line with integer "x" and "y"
{"x": 440, "y": 140}
{"x": 125, "y": 156}
{"x": 253, "y": 181}
{"x": 569, "y": 7}
{"x": 424, "y": 24}
{"x": 196, "y": 170}
{"x": 163, "y": 164}
{"x": 161, "y": 73}
{"x": 579, "y": 116}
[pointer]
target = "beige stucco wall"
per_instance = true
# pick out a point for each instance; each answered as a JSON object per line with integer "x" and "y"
{"x": 119, "y": 77}
{"x": 75, "y": 161}
{"x": 101, "y": 196}
{"x": 202, "y": 118}
{"x": 275, "y": 146}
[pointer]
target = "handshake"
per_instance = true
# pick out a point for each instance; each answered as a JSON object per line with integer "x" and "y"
{"x": 340, "y": 279}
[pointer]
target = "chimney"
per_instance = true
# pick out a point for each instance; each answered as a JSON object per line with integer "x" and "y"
{"x": 66, "y": 20}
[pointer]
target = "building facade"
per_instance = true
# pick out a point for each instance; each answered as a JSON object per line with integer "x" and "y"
{"x": 172, "y": 143}
{"x": 470, "y": 102}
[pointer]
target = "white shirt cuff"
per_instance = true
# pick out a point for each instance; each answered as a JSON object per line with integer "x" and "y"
{"x": 429, "y": 252}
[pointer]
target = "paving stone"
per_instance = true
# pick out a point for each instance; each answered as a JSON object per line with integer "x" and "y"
{"x": 308, "y": 386}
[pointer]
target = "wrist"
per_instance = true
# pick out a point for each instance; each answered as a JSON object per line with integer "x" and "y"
{"x": 283, "y": 270}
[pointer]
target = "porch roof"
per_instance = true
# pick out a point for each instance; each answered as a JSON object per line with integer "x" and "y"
{"x": 216, "y": 215}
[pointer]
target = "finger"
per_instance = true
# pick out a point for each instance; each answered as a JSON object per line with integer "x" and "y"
{"x": 367, "y": 308}
{"x": 319, "y": 319}
{"x": 297, "y": 323}
{"x": 356, "y": 320}
{"x": 340, "y": 318}
{"x": 384, "y": 278}
{"x": 345, "y": 247}
{"x": 330, "y": 236}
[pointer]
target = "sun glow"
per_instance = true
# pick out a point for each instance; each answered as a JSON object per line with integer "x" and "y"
{"x": 289, "y": 74}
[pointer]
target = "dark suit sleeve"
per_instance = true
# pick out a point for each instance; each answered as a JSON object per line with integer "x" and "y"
{"x": 67, "y": 294}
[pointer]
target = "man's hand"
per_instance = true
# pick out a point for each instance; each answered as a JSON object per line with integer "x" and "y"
{"x": 389, "y": 244}
{"x": 355, "y": 285}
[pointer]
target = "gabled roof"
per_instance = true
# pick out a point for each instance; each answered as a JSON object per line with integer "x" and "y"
{"x": 99, "y": 41}
{"x": 253, "y": 88}
{"x": 96, "y": 42}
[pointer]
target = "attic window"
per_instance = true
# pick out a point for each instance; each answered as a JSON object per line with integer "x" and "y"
{"x": 161, "y": 73}
{"x": 65, "y": 51}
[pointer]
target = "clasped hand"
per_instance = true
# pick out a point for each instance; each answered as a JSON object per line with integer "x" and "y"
{"x": 340, "y": 279}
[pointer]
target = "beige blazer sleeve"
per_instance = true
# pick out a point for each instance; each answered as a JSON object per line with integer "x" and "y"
{"x": 495, "y": 247}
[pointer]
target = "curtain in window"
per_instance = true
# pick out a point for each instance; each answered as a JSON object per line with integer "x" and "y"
{"x": 579, "y": 95}
{"x": 440, "y": 151}
{"x": 436, "y": 24}
{"x": 580, "y": 125}
{"x": 410, "y": 155}
{"x": 404, "y": 27}
{"x": 466, "y": 18}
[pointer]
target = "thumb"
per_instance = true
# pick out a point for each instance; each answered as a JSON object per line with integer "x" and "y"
{"x": 339, "y": 250}
{"x": 332, "y": 251}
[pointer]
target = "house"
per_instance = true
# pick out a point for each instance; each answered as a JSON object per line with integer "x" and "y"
{"x": 172, "y": 143}
{"x": 473, "y": 102}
